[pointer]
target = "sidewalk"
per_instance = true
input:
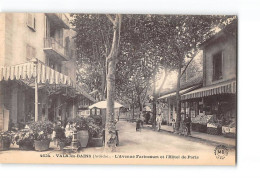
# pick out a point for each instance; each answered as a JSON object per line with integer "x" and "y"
{"x": 206, "y": 137}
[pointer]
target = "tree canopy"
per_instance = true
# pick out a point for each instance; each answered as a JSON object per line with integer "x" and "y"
{"x": 148, "y": 43}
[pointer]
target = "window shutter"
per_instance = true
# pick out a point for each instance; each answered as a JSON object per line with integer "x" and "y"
{"x": 29, "y": 19}
{"x": 31, "y": 22}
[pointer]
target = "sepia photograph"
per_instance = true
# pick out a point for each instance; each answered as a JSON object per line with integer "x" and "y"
{"x": 96, "y": 88}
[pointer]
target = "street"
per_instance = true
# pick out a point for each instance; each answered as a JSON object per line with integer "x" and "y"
{"x": 144, "y": 142}
{"x": 157, "y": 142}
{"x": 149, "y": 141}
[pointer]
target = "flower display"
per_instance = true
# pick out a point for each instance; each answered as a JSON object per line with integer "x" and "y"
{"x": 24, "y": 137}
{"x": 7, "y": 136}
{"x": 91, "y": 123}
{"x": 41, "y": 130}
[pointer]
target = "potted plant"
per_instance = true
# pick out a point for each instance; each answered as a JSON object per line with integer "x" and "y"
{"x": 82, "y": 131}
{"x": 95, "y": 129}
{"x": 42, "y": 131}
{"x": 64, "y": 142}
{"x": 25, "y": 139}
{"x": 6, "y": 140}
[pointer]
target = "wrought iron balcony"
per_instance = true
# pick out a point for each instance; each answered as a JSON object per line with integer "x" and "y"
{"x": 54, "y": 48}
{"x": 59, "y": 19}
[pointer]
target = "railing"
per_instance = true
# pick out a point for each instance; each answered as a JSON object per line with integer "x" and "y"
{"x": 55, "y": 45}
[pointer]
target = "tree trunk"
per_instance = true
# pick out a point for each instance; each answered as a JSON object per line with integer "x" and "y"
{"x": 133, "y": 106}
{"x": 110, "y": 113}
{"x": 154, "y": 102}
{"x": 103, "y": 85}
{"x": 140, "y": 103}
{"x": 178, "y": 102}
{"x": 110, "y": 130}
{"x": 154, "y": 112}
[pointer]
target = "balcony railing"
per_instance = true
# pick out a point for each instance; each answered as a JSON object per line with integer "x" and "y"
{"x": 54, "y": 45}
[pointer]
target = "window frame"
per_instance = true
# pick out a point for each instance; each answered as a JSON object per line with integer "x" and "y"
{"x": 220, "y": 77}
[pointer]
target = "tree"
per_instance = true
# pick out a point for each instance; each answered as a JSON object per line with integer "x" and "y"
{"x": 111, "y": 60}
{"x": 94, "y": 33}
{"x": 97, "y": 41}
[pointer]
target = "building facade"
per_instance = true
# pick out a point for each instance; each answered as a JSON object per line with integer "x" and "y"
{"x": 217, "y": 97}
{"x": 46, "y": 37}
{"x": 167, "y": 102}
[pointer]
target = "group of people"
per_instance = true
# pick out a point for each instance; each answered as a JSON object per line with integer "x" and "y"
{"x": 60, "y": 132}
{"x": 159, "y": 119}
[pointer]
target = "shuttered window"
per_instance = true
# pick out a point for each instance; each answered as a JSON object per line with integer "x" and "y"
{"x": 31, "y": 21}
{"x": 30, "y": 52}
{"x": 217, "y": 66}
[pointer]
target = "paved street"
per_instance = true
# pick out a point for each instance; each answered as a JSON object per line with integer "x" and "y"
{"x": 152, "y": 142}
{"x": 145, "y": 142}
{"x": 157, "y": 142}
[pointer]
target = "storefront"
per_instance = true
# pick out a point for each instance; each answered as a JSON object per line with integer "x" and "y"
{"x": 212, "y": 107}
{"x": 167, "y": 105}
{"x": 22, "y": 85}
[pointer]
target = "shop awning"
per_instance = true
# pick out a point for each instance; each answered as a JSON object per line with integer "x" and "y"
{"x": 227, "y": 87}
{"x": 45, "y": 76}
{"x": 181, "y": 92}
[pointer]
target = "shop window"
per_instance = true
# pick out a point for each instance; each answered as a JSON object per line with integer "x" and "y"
{"x": 217, "y": 66}
{"x": 30, "y": 52}
{"x": 31, "y": 21}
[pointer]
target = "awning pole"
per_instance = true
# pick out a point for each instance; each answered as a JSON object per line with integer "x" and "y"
{"x": 35, "y": 61}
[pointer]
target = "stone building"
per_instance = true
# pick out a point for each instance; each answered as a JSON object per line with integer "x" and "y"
{"x": 37, "y": 49}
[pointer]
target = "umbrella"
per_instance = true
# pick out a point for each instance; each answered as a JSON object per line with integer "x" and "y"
{"x": 103, "y": 105}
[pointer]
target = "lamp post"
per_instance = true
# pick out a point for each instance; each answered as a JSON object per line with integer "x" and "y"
{"x": 35, "y": 62}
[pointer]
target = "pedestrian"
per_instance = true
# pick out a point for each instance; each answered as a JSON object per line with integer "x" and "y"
{"x": 139, "y": 122}
{"x": 147, "y": 117}
{"x": 173, "y": 124}
{"x": 188, "y": 123}
{"x": 69, "y": 129}
{"x": 58, "y": 133}
{"x": 159, "y": 121}
{"x": 142, "y": 118}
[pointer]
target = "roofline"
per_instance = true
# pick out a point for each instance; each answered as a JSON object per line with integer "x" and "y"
{"x": 216, "y": 36}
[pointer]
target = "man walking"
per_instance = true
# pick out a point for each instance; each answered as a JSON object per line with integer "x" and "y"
{"x": 159, "y": 122}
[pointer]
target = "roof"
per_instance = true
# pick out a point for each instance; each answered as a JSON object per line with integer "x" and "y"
{"x": 228, "y": 29}
{"x": 195, "y": 81}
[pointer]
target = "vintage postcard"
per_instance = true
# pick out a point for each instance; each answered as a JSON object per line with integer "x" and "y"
{"x": 118, "y": 89}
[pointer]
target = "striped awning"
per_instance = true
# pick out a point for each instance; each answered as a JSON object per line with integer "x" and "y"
{"x": 26, "y": 72}
{"x": 227, "y": 87}
{"x": 181, "y": 92}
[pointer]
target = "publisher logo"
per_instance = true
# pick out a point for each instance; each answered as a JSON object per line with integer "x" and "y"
{"x": 221, "y": 151}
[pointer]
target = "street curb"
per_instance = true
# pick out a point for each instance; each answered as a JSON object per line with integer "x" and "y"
{"x": 205, "y": 140}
